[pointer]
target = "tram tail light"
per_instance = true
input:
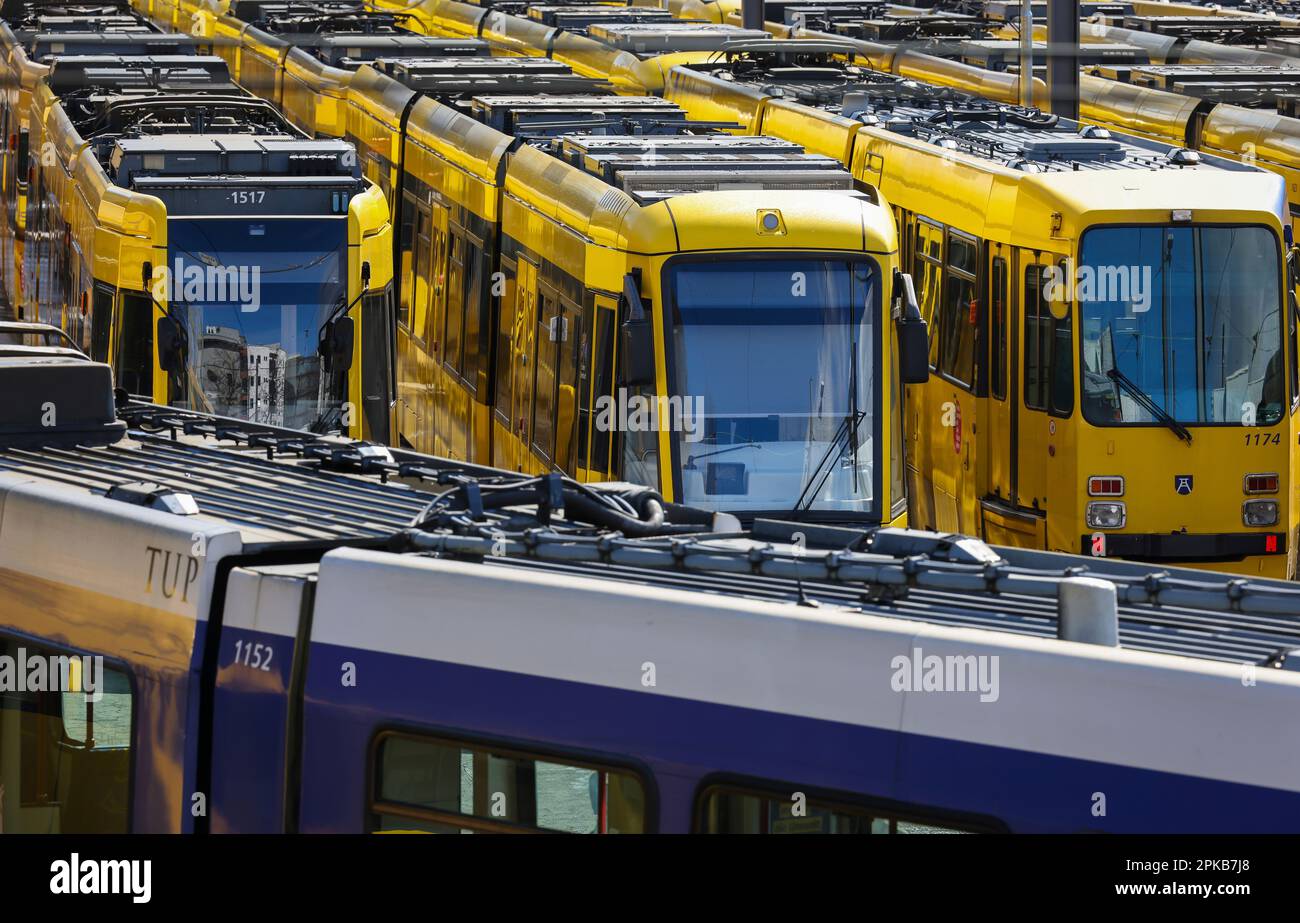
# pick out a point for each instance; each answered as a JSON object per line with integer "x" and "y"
{"x": 1259, "y": 513}
{"x": 1110, "y": 515}
{"x": 1106, "y": 486}
{"x": 1260, "y": 484}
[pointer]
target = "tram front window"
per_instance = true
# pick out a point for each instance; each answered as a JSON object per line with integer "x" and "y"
{"x": 1181, "y": 324}
{"x": 253, "y": 295}
{"x": 774, "y": 362}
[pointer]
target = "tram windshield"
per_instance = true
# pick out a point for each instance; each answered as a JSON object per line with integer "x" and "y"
{"x": 253, "y": 295}
{"x": 776, "y": 360}
{"x": 1181, "y": 324}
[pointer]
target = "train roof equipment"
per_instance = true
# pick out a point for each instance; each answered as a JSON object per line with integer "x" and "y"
{"x": 578, "y": 18}
{"x": 1024, "y": 139}
{"x": 670, "y": 37}
{"x": 350, "y": 39}
{"x": 1252, "y": 86}
{"x": 287, "y": 489}
{"x": 1223, "y": 30}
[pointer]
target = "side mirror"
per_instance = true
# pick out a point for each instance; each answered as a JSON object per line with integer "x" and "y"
{"x": 336, "y": 343}
{"x": 636, "y": 352}
{"x": 913, "y": 333}
{"x": 365, "y": 276}
{"x": 173, "y": 351}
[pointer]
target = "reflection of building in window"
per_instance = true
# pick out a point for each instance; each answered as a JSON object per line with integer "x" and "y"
{"x": 303, "y": 393}
{"x": 266, "y": 380}
{"x": 224, "y": 365}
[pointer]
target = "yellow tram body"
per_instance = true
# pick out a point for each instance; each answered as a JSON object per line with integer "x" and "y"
{"x": 1002, "y": 466}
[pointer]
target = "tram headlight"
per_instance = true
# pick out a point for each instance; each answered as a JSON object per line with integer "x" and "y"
{"x": 1106, "y": 515}
{"x": 1259, "y": 512}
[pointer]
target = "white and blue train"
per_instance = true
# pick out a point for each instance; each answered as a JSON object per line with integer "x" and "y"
{"x": 303, "y": 634}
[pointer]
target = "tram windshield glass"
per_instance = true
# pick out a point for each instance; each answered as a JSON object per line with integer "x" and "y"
{"x": 1181, "y": 323}
{"x": 775, "y": 360}
{"x": 253, "y": 295}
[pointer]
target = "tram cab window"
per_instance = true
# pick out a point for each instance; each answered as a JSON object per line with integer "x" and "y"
{"x": 135, "y": 359}
{"x": 101, "y": 322}
{"x": 722, "y": 809}
{"x": 445, "y": 786}
{"x": 65, "y": 750}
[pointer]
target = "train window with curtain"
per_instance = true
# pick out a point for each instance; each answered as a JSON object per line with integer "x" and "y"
{"x": 65, "y": 750}
{"x": 727, "y": 809}
{"x": 998, "y": 329}
{"x": 135, "y": 359}
{"x": 1037, "y": 340}
{"x": 446, "y": 786}
{"x": 960, "y": 312}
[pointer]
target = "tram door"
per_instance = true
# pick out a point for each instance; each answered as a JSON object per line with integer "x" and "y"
{"x": 1000, "y": 432}
{"x": 1046, "y": 376}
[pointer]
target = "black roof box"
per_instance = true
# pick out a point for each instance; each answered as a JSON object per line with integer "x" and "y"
{"x": 51, "y": 398}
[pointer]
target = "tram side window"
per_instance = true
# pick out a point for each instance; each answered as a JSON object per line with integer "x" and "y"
{"x": 101, "y": 322}
{"x": 998, "y": 329}
{"x": 476, "y": 306}
{"x": 957, "y": 329}
{"x": 722, "y": 809}
{"x": 569, "y": 334}
{"x": 409, "y": 269}
{"x": 135, "y": 358}
{"x": 504, "y": 351}
{"x": 447, "y": 786}
{"x": 65, "y": 749}
{"x": 455, "y": 303}
{"x": 548, "y": 330}
{"x": 420, "y": 284}
{"x": 602, "y": 385}
{"x": 926, "y": 273}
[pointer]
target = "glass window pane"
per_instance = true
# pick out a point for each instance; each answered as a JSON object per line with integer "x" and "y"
{"x": 65, "y": 753}
{"x": 774, "y": 383}
{"x": 464, "y": 781}
{"x": 1183, "y": 320}
{"x": 727, "y": 811}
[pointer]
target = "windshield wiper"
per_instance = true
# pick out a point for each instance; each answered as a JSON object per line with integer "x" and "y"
{"x": 1150, "y": 406}
{"x": 690, "y": 462}
{"x": 848, "y": 428}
